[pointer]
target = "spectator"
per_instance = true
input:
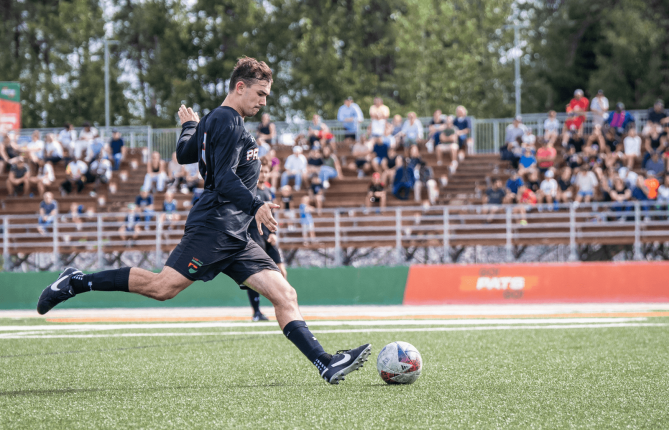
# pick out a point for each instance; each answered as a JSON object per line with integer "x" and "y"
{"x": 548, "y": 188}
{"x": 295, "y": 168}
{"x": 551, "y": 128}
{"x": 53, "y": 150}
{"x": 176, "y": 173}
{"x": 529, "y": 139}
{"x": 619, "y": 193}
{"x": 404, "y": 180}
{"x": 117, "y": 147}
{"x": 436, "y": 126}
{"x": 307, "y": 220}
{"x": 330, "y": 168}
{"x": 170, "y": 206}
{"x": 546, "y": 156}
{"x": 94, "y": 149}
{"x": 654, "y": 163}
{"x": 155, "y": 172}
{"x": 512, "y": 186}
{"x": 48, "y": 210}
{"x": 574, "y": 139}
{"x": 464, "y": 126}
{"x": 579, "y": 101}
{"x": 45, "y": 177}
{"x": 361, "y": 154}
{"x": 9, "y": 151}
{"x": 351, "y": 116}
{"x": 192, "y": 178}
{"x": 396, "y": 138}
{"x": 574, "y": 123}
{"x": 144, "y": 203}
{"x": 275, "y": 169}
{"x": 131, "y": 225}
{"x": 641, "y": 192}
{"x": 35, "y": 148}
{"x": 99, "y": 172}
{"x": 19, "y": 178}
{"x": 515, "y": 130}
{"x": 423, "y": 175}
{"x": 492, "y": 200}
{"x": 67, "y": 138}
{"x": 380, "y": 155}
{"x": 319, "y": 133}
{"x": 565, "y": 192}
{"x": 511, "y": 151}
{"x": 75, "y": 170}
{"x": 657, "y": 115}
{"x": 86, "y": 137}
{"x": 379, "y": 114}
{"x": 527, "y": 200}
{"x": 585, "y": 182}
{"x": 655, "y": 143}
{"x": 448, "y": 142}
{"x": 266, "y": 132}
{"x": 314, "y": 161}
{"x": 632, "y": 144}
{"x": 412, "y": 131}
{"x": 391, "y": 164}
{"x": 528, "y": 162}
{"x": 286, "y": 197}
{"x": 620, "y": 119}
{"x": 653, "y": 184}
{"x": 75, "y": 211}
{"x": 599, "y": 106}
{"x": 663, "y": 193}
{"x": 533, "y": 182}
{"x": 376, "y": 193}
{"x": 316, "y": 191}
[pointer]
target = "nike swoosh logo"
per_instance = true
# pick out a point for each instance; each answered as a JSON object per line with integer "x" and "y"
{"x": 54, "y": 286}
{"x": 342, "y": 361}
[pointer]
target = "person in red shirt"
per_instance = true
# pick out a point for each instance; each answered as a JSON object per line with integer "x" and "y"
{"x": 576, "y": 110}
{"x": 580, "y": 101}
{"x": 546, "y": 156}
{"x": 527, "y": 200}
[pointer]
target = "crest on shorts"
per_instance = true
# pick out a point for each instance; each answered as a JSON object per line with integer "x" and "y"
{"x": 194, "y": 265}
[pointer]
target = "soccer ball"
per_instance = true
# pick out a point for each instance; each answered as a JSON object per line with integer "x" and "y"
{"x": 399, "y": 363}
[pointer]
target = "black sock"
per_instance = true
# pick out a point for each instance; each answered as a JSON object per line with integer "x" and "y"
{"x": 298, "y": 333}
{"x": 254, "y": 298}
{"x": 109, "y": 280}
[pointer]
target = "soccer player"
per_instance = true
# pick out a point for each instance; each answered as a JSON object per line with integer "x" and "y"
{"x": 267, "y": 241}
{"x": 216, "y": 237}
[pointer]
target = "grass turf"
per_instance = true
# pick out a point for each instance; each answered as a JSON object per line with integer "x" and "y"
{"x": 543, "y": 378}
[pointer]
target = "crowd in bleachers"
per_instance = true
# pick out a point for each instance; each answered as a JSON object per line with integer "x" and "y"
{"x": 613, "y": 163}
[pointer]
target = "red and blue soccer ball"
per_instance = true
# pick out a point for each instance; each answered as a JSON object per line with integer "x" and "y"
{"x": 399, "y": 363}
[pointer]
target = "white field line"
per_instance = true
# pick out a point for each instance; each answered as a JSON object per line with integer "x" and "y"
{"x": 345, "y": 331}
{"x": 363, "y": 323}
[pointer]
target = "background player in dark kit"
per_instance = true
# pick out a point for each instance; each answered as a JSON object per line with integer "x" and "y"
{"x": 216, "y": 238}
{"x": 267, "y": 241}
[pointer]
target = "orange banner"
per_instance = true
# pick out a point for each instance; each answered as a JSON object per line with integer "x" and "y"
{"x": 538, "y": 283}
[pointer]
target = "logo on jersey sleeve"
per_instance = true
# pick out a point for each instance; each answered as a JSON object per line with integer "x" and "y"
{"x": 252, "y": 154}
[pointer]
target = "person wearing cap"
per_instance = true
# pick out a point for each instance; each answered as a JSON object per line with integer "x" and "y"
{"x": 657, "y": 114}
{"x": 376, "y": 192}
{"x": 620, "y": 119}
{"x": 548, "y": 188}
{"x": 350, "y": 115}
{"x": 579, "y": 100}
{"x": 295, "y": 167}
{"x": 551, "y": 127}
{"x": 515, "y": 130}
{"x": 117, "y": 148}
{"x": 599, "y": 106}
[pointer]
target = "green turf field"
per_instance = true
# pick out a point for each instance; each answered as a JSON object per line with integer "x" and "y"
{"x": 475, "y": 375}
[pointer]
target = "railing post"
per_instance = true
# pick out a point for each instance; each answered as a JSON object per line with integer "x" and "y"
{"x": 495, "y": 136}
{"x": 573, "y": 256}
{"x": 5, "y": 243}
{"x": 56, "y": 255}
{"x": 473, "y": 134}
{"x": 100, "y": 263}
{"x": 398, "y": 235}
{"x": 337, "y": 227}
{"x": 149, "y": 140}
{"x": 132, "y": 140}
{"x": 159, "y": 234}
{"x": 509, "y": 235}
{"x": 637, "y": 231}
{"x": 447, "y": 238}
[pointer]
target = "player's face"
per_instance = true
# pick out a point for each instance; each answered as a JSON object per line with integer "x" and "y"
{"x": 254, "y": 97}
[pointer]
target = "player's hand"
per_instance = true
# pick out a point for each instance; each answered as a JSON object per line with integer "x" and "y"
{"x": 187, "y": 114}
{"x": 272, "y": 239}
{"x": 264, "y": 216}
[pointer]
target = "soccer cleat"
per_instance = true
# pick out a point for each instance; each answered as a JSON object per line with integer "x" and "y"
{"x": 259, "y": 317}
{"x": 343, "y": 363}
{"x": 57, "y": 292}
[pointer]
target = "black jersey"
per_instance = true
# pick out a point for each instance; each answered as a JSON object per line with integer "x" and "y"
{"x": 265, "y": 196}
{"x": 227, "y": 156}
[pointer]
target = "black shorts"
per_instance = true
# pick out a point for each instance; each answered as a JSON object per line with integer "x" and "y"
{"x": 360, "y": 162}
{"x": 204, "y": 253}
{"x": 349, "y": 136}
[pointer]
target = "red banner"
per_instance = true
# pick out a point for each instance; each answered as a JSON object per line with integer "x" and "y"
{"x": 538, "y": 283}
{"x": 10, "y": 106}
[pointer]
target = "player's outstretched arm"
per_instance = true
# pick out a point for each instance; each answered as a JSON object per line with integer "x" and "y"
{"x": 264, "y": 216}
{"x": 187, "y": 143}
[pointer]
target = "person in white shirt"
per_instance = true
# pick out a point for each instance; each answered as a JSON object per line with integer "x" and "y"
{"x": 632, "y": 144}
{"x": 663, "y": 191}
{"x": 86, "y": 136}
{"x": 549, "y": 187}
{"x": 53, "y": 150}
{"x": 296, "y": 167}
{"x": 586, "y": 181}
{"x": 67, "y": 137}
{"x": 75, "y": 170}
{"x": 599, "y": 106}
{"x": 379, "y": 114}
{"x": 35, "y": 148}
{"x": 45, "y": 177}
{"x": 551, "y": 128}
{"x": 529, "y": 139}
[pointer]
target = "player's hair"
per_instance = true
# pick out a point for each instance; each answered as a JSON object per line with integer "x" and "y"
{"x": 250, "y": 71}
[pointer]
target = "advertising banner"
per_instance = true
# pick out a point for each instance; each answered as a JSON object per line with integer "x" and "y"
{"x": 10, "y": 106}
{"x": 538, "y": 283}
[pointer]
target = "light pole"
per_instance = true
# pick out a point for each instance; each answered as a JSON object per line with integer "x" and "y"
{"x": 107, "y": 42}
{"x": 517, "y": 82}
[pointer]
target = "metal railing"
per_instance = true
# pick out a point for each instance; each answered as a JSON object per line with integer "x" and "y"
{"x": 441, "y": 226}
